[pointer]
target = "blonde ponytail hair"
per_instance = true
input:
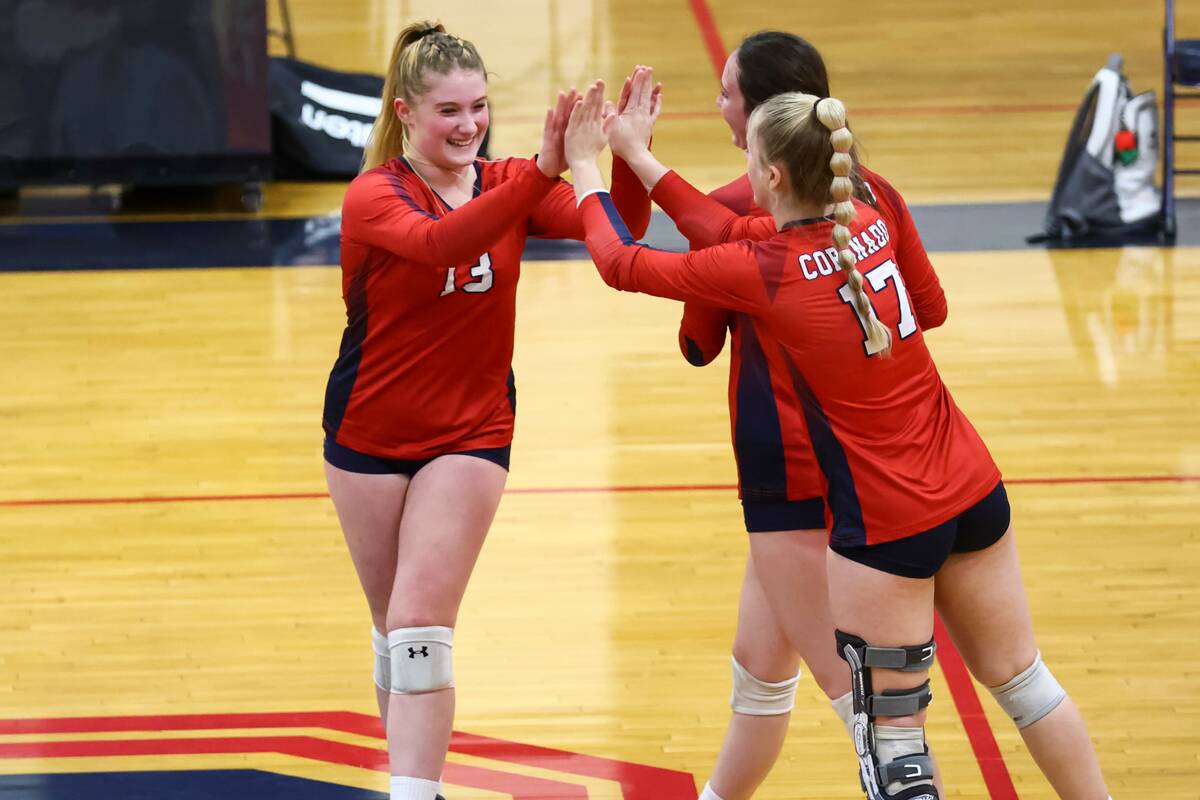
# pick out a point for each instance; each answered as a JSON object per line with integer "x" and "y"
{"x": 809, "y": 137}
{"x": 832, "y": 114}
{"x": 420, "y": 48}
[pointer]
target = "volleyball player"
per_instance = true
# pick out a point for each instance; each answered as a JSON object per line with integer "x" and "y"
{"x": 914, "y": 505}
{"x": 420, "y": 403}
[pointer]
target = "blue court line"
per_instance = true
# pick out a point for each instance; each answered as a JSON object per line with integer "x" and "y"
{"x": 264, "y": 242}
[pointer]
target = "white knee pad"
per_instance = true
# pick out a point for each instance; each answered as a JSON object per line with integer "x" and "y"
{"x": 383, "y": 663}
{"x": 421, "y": 659}
{"x": 1031, "y": 695}
{"x": 760, "y": 698}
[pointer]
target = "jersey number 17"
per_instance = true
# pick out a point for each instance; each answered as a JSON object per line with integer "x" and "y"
{"x": 878, "y": 278}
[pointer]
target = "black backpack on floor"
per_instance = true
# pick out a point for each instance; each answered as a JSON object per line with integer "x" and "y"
{"x": 1105, "y": 187}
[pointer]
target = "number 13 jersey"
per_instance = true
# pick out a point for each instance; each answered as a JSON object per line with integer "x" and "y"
{"x": 425, "y": 364}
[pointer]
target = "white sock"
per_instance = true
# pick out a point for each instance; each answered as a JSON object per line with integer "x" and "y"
{"x": 414, "y": 788}
{"x": 844, "y": 707}
{"x": 709, "y": 794}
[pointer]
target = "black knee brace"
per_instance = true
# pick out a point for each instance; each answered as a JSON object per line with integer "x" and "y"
{"x": 875, "y": 773}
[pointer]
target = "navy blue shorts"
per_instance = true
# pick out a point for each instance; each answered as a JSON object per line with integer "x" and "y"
{"x": 354, "y": 461}
{"x": 923, "y": 554}
{"x": 784, "y": 515}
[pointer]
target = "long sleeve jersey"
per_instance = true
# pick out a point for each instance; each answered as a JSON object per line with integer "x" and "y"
{"x": 896, "y": 455}
{"x": 425, "y": 364}
{"x": 768, "y": 430}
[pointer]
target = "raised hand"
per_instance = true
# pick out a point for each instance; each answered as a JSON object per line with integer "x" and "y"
{"x": 627, "y": 90}
{"x": 585, "y": 134}
{"x": 552, "y": 159}
{"x": 638, "y": 107}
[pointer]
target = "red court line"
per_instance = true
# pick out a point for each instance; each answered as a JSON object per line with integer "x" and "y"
{"x": 875, "y": 111}
{"x": 1051, "y": 481}
{"x": 632, "y": 489}
{"x": 979, "y": 732}
{"x": 638, "y": 781}
{"x": 712, "y": 37}
{"x": 717, "y": 54}
{"x": 305, "y": 746}
{"x": 185, "y": 498}
{"x": 343, "y": 721}
{"x": 521, "y": 787}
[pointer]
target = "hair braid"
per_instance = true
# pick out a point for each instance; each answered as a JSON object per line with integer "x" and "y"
{"x": 832, "y": 114}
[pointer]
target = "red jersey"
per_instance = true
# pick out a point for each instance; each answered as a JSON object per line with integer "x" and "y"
{"x": 425, "y": 365}
{"x": 770, "y": 438}
{"x": 896, "y": 455}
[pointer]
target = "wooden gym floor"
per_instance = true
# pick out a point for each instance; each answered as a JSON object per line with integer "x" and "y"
{"x": 178, "y": 615}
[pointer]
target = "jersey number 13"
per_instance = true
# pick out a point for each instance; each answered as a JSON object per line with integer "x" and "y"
{"x": 481, "y": 271}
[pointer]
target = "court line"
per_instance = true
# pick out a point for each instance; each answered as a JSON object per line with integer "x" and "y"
{"x": 711, "y": 36}
{"x": 637, "y": 781}
{"x": 520, "y": 787}
{"x": 966, "y": 701}
{"x": 871, "y": 111}
{"x": 717, "y": 54}
{"x": 630, "y": 489}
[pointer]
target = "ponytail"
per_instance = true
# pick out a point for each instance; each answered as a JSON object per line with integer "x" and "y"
{"x": 809, "y": 138}
{"x": 832, "y": 114}
{"x": 421, "y": 47}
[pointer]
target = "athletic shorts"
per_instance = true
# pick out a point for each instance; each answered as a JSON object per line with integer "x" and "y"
{"x": 354, "y": 461}
{"x": 784, "y": 515}
{"x": 923, "y": 554}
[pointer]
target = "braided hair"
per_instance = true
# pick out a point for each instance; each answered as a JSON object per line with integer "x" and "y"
{"x": 421, "y": 48}
{"x": 808, "y": 136}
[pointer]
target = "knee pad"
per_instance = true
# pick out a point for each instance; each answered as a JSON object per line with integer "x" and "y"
{"x": 421, "y": 659}
{"x": 1031, "y": 695}
{"x": 383, "y": 662}
{"x": 759, "y": 698}
{"x": 894, "y": 762}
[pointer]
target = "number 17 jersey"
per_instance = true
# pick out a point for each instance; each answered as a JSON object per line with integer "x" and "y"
{"x": 896, "y": 454}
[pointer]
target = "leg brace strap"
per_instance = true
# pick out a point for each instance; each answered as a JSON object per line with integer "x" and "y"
{"x": 913, "y": 658}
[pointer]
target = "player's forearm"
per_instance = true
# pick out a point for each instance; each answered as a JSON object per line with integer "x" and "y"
{"x": 630, "y": 198}
{"x": 647, "y": 168}
{"x": 704, "y": 221}
{"x": 586, "y": 178}
{"x": 466, "y": 232}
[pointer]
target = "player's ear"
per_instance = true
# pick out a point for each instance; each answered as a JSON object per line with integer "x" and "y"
{"x": 404, "y": 112}
{"x": 774, "y": 178}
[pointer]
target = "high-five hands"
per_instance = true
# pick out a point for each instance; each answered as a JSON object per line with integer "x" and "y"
{"x": 552, "y": 159}
{"x": 585, "y": 132}
{"x": 629, "y": 128}
{"x": 626, "y": 127}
